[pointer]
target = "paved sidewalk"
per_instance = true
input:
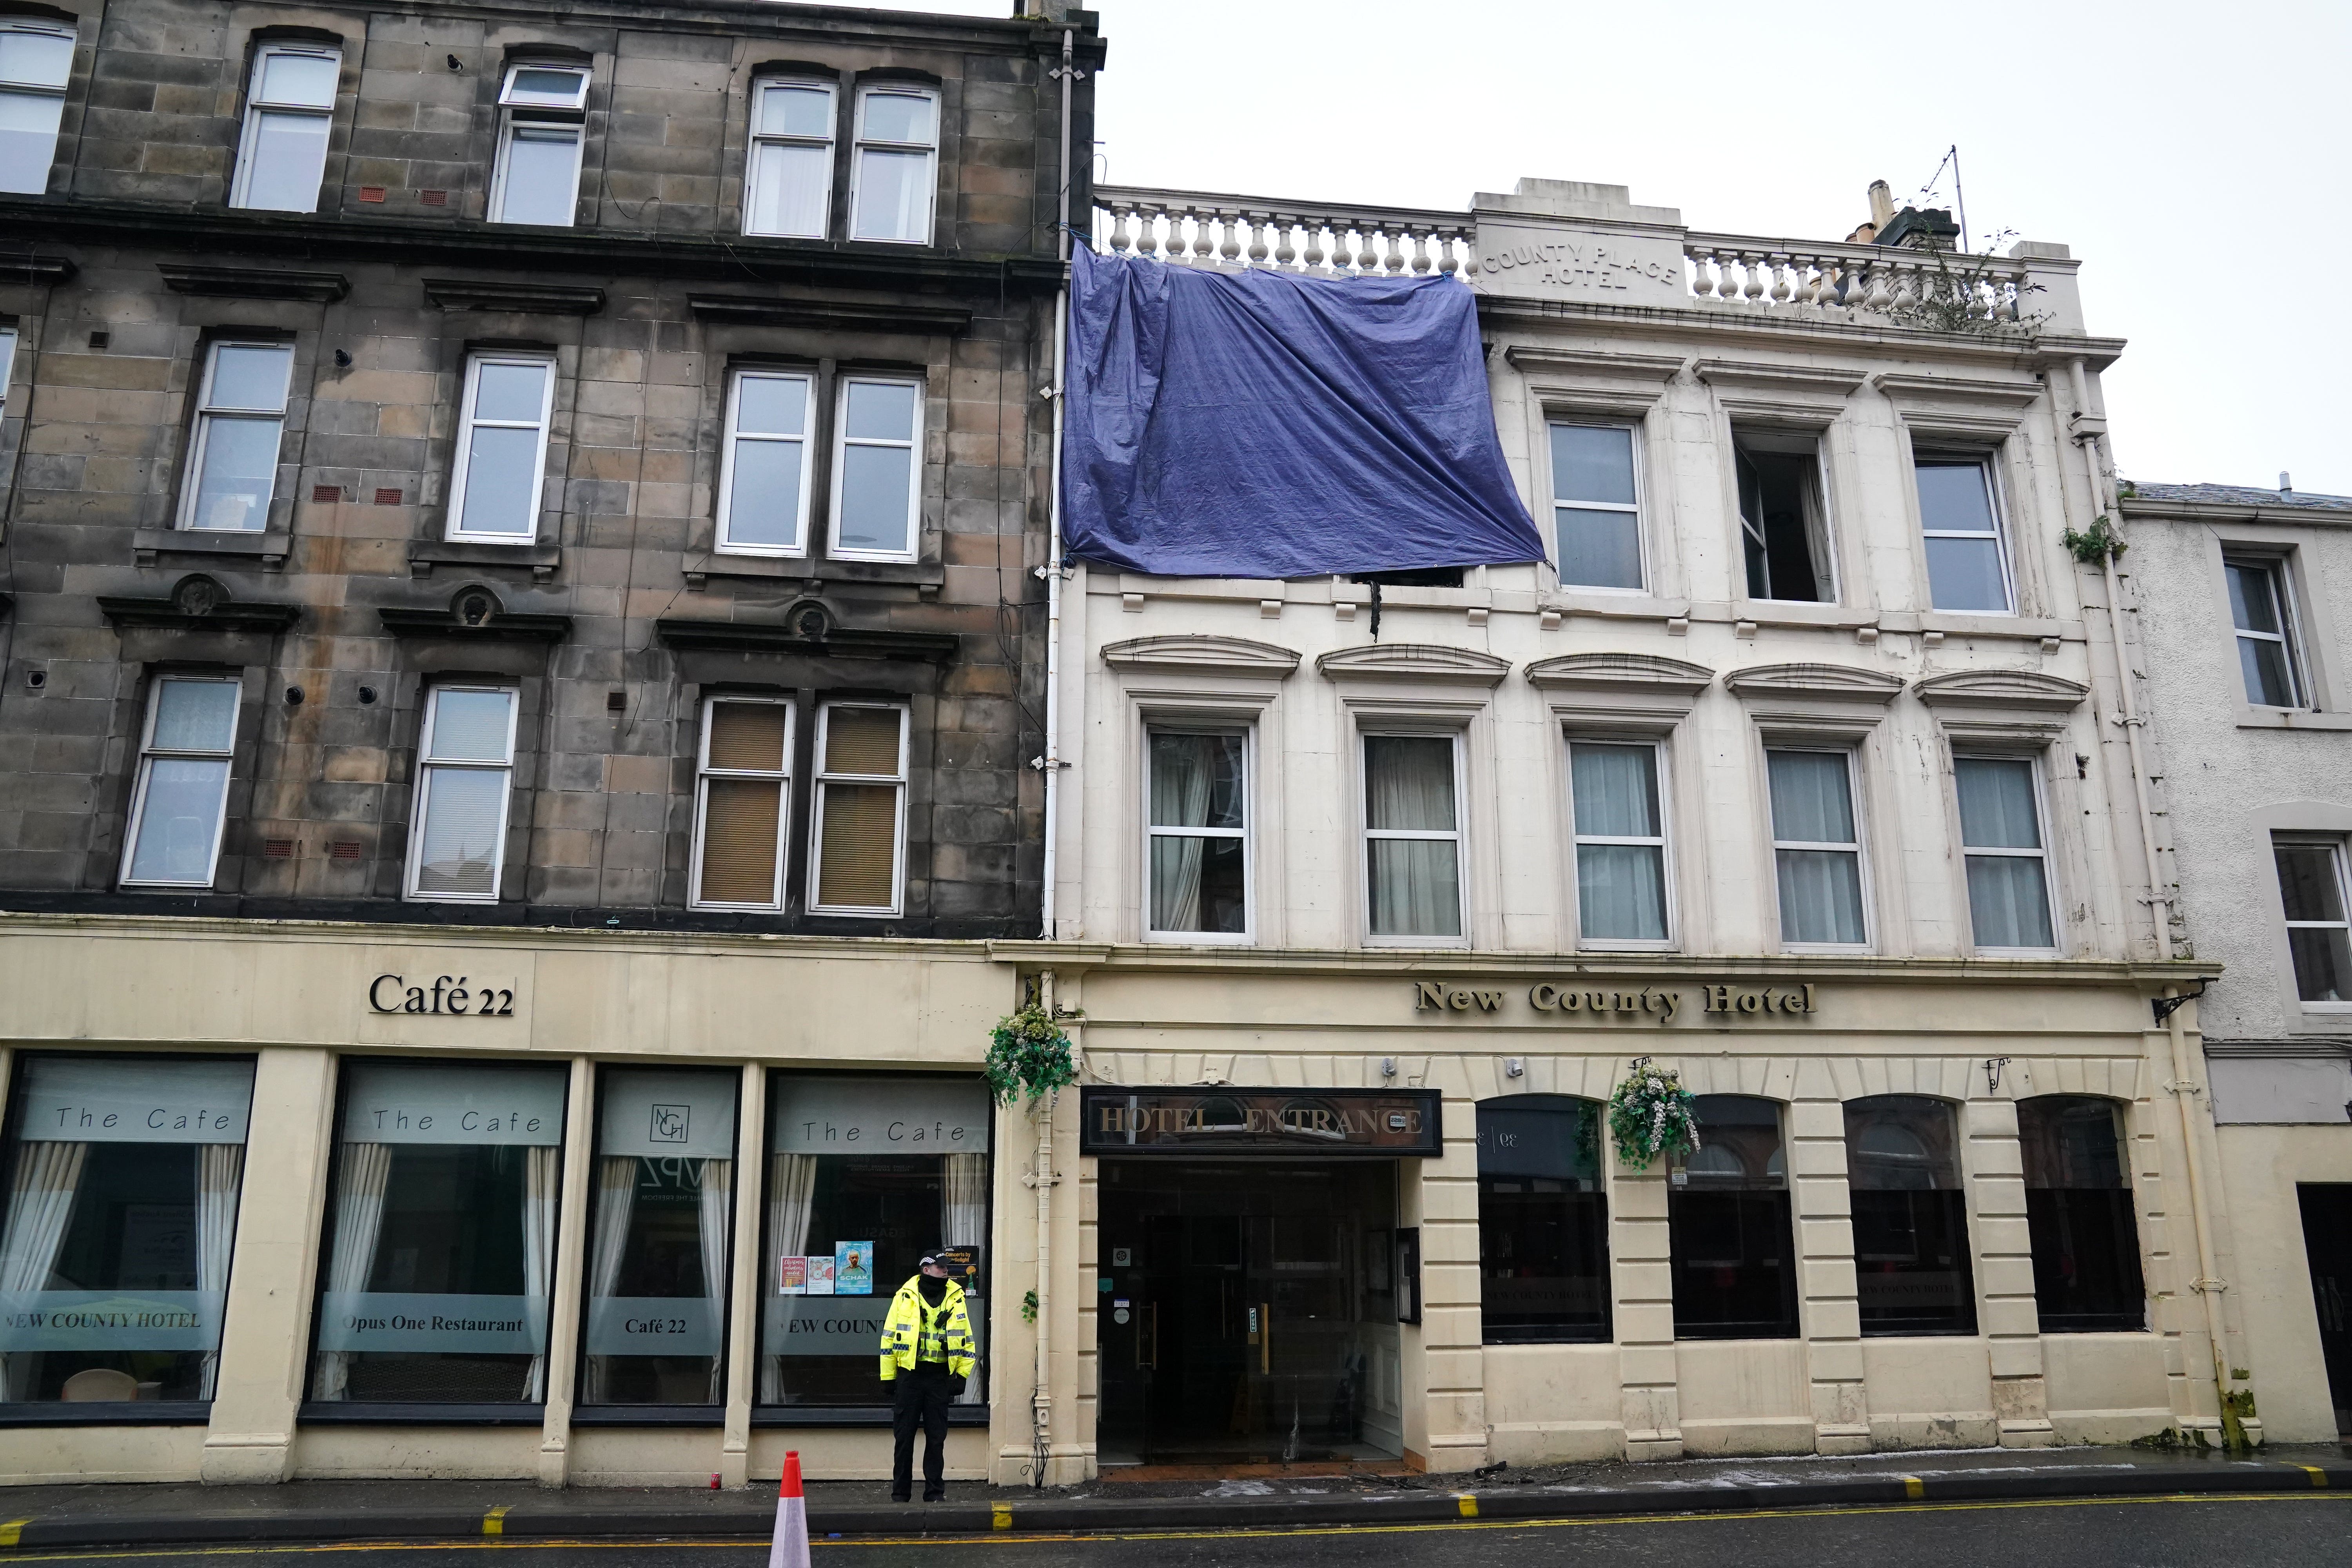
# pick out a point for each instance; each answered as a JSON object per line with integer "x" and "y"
{"x": 98, "y": 1515}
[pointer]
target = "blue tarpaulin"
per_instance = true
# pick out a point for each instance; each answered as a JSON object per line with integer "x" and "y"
{"x": 1261, "y": 424}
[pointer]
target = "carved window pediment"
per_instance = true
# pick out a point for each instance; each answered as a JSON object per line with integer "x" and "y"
{"x": 1788, "y": 393}
{"x": 1632, "y": 673}
{"x": 1963, "y": 404}
{"x": 1201, "y": 654}
{"x": 1817, "y": 682}
{"x": 1415, "y": 662}
{"x": 2027, "y": 690}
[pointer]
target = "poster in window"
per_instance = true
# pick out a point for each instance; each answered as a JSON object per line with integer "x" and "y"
{"x": 820, "y": 1277}
{"x": 792, "y": 1276}
{"x": 963, "y": 1264}
{"x": 853, "y": 1268}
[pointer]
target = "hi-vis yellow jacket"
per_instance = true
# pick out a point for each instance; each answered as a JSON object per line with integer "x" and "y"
{"x": 916, "y": 1331}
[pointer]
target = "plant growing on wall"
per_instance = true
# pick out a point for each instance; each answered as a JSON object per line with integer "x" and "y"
{"x": 1650, "y": 1114}
{"x": 2096, "y": 543}
{"x": 1969, "y": 294}
{"x": 1029, "y": 1056}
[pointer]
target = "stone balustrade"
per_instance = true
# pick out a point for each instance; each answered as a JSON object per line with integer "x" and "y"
{"x": 1201, "y": 228}
{"x": 1777, "y": 274}
{"x": 1205, "y": 229}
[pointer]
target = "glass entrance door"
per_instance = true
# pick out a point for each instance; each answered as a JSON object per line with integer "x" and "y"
{"x": 1247, "y": 1311}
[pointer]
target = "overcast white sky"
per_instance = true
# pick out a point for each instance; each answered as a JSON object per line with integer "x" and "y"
{"x": 2191, "y": 154}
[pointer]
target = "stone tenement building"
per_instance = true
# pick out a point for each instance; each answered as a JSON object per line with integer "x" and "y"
{"x": 617, "y": 358}
{"x": 520, "y": 531}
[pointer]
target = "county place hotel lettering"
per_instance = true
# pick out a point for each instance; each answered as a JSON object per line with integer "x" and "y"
{"x": 1259, "y": 1121}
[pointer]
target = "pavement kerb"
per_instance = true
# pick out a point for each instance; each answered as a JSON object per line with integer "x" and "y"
{"x": 544, "y": 1515}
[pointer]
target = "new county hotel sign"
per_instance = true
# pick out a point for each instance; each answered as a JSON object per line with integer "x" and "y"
{"x": 1574, "y": 1002}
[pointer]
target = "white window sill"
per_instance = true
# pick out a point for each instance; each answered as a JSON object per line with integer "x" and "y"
{"x": 2292, "y": 719}
{"x": 1196, "y": 939}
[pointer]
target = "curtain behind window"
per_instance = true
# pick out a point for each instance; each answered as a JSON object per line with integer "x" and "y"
{"x": 1620, "y": 889}
{"x": 616, "y": 1199}
{"x": 792, "y": 1189}
{"x": 1409, "y": 786}
{"x": 220, "y": 1170}
{"x": 39, "y": 1204}
{"x": 718, "y": 1195}
{"x": 1179, "y": 798}
{"x": 359, "y": 1220}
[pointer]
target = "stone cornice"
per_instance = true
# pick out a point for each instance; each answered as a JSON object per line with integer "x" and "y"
{"x": 839, "y": 642}
{"x": 844, "y": 315}
{"x": 736, "y": 259}
{"x": 500, "y": 294}
{"x": 1869, "y": 339}
{"x": 370, "y": 933}
{"x": 1391, "y": 963}
{"x": 2027, "y": 690}
{"x": 2235, "y": 511}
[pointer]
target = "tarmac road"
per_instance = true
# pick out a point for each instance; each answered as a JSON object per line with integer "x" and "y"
{"x": 2283, "y": 1529}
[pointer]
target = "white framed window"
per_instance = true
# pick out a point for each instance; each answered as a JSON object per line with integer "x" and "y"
{"x": 182, "y": 796}
{"x": 2262, "y": 608}
{"x": 764, "y": 467}
{"x": 876, "y": 482}
{"x": 743, "y": 803}
{"x": 233, "y": 453}
{"x": 1959, "y": 514}
{"x": 2313, "y": 893}
{"x": 501, "y": 467}
{"x": 8, "y": 364}
{"x": 465, "y": 768}
{"x": 788, "y": 189}
{"x": 857, "y": 860}
{"x": 1596, "y": 506}
{"x": 1196, "y": 835}
{"x": 1615, "y": 800}
{"x": 1784, "y": 531}
{"x": 289, "y": 109}
{"x": 35, "y": 63}
{"x": 2008, "y": 861}
{"x": 1412, "y": 839}
{"x": 1817, "y": 848}
{"x": 894, "y": 180}
{"x": 543, "y": 121}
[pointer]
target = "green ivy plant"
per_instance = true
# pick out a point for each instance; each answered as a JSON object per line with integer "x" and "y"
{"x": 1029, "y": 1308}
{"x": 2094, "y": 544}
{"x": 1650, "y": 1114}
{"x": 1029, "y": 1056}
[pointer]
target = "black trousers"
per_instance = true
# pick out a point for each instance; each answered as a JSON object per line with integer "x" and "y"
{"x": 920, "y": 1398}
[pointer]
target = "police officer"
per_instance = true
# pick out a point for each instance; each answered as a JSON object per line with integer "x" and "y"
{"x": 926, "y": 1356}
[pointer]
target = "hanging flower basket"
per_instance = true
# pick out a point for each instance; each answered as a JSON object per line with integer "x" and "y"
{"x": 1650, "y": 1114}
{"x": 1028, "y": 1056}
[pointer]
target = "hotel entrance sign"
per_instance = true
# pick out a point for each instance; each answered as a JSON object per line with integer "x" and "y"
{"x": 1262, "y": 1122}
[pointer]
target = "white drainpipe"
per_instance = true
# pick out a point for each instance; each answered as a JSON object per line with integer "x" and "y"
{"x": 1051, "y": 571}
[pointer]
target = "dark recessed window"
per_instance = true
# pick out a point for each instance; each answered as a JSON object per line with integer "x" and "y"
{"x": 1735, "y": 1265}
{"x": 1910, "y": 1217}
{"x": 2078, "y": 1211}
{"x": 1543, "y": 1220}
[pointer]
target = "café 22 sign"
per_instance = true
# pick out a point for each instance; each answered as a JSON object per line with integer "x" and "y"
{"x": 440, "y": 996}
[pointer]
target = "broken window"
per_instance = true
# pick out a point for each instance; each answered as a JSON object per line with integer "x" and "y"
{"x": 1784, "y": 529}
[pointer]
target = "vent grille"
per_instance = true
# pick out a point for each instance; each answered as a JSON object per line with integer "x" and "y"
{"x": 342, "y": 849}
{"x": 434, "y": 198}
{"x": 387, "y": 498}
{"x": 371, "y": 193}
{"x": 326, "y": 492}
{"x": 277, "y": 848}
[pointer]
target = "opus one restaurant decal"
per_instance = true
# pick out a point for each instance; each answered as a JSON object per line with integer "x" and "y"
{"x": 1259, "y": 1121}
{"x": 445, "y": 994}
{"x": 1569, "y": 1003}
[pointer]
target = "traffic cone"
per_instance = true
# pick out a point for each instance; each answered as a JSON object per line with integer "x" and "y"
{"x": 791, "y": 1548}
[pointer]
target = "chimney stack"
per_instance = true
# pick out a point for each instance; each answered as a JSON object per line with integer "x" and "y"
{"x": 1882, "y": 212}
{"x": 2286, "y": 485}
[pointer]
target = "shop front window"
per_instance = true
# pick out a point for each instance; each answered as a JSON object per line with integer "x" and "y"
{"x": 865, "y": 1176}
{"x": 656, "y": 1320}
{"x": 1543, "y": 1220}
{"x": 2078, "y": 1213}
{"x": 1910, "y": 1217}
{"x": 122, "y": 1210}
{"x": 1735, "y": 1266}
{"x": 441, "y": 1240}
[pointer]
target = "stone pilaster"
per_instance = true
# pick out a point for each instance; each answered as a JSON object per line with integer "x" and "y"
{"x": 2008, "y": 1317}
{"x": 1824, "y": 1222}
